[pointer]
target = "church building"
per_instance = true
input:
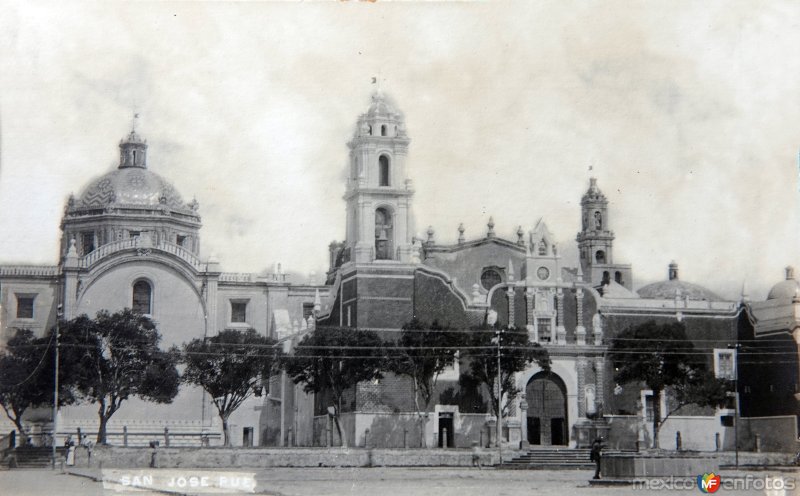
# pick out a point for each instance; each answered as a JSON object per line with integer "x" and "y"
{"x": 129, "y": 240}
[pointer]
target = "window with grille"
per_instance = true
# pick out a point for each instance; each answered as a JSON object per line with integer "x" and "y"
{"x": 724, "y": 364}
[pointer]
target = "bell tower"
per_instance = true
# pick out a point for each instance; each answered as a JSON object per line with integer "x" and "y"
{"x": 596, "y": 241}
{"x": 378, "y": 194}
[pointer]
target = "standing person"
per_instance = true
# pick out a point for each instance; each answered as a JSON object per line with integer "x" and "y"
{"x": 596, "y": 455}
{"x": 476, "y": 455}
{"x": 70, "y": 445}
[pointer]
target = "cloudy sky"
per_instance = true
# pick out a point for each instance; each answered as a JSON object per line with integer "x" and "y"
{"x": 688, "y": 112}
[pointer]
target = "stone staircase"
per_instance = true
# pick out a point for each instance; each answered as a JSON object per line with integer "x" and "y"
{"x": 37, "y": 457}
{"x": 551, "y": 458}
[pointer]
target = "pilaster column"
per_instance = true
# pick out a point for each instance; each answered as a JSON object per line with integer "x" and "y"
{"x": 529, "y": 305}
{"x": 599, "y": 374}
{"x": 580, "y": 330}
{"x": 511, "y": 309}
{"x": 580, "y": 365}
{"x": 561, "y": 332}
{"x": 523, "y": 419}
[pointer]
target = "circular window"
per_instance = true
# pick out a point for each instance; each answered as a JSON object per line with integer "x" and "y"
{"x": 490, "y": 278}
{"x": 543, "y": 273}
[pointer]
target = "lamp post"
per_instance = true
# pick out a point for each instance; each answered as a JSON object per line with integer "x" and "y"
{"x": 55, "y": 388}
{"x": 735, "y": 396}
{"x": 498, "y": 333}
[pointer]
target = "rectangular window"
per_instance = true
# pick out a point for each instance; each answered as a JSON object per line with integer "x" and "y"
{"x": 545, "y": 329}
{"x": 239, "y": 312}
{"x": 134, "y": 234}
{"x": 308, "y": 310}
{"x": 87, "y": 242}
{"x": 649, "y": 410}
{"x": 25, "y": 306}
{"x": 180, "y": 240}
{"x": 725, "y": 364}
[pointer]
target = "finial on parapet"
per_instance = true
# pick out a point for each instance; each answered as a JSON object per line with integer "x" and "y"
{"x": 430, "y": 232}
{"x": 490, "y": 225}
{"x": 745, "y": 296}
{"x": 520, "y": 236}
{"x": 461, "y": 233}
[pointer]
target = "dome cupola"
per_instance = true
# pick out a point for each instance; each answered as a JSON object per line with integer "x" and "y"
{"x": 133, "y": 151}
{"x": 788, "y": 288}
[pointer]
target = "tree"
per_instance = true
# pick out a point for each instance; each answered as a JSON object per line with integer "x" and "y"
{"x": 662, "y": 357}
{"x": 422, "y": 353}
{"x": 516, "y": 352}
{"x": 26, "y": 376}
{"x": 230, "y": 366}
{"x": 335, "y": 359}
{"x": 116, "y": 356}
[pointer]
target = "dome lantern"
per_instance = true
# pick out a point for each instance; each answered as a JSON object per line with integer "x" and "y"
{"x": 133, "y": 151}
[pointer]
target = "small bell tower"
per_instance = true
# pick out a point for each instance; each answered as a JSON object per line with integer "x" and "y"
{"x": 379, "y": 194}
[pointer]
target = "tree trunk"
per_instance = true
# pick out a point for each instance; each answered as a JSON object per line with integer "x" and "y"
{"x": 337, "y": 412}
{"x": 226, "y": 434}
{"x": 23, "y": 434}
{"x": 101, "y": 430}
{"x": 656, "y": 416}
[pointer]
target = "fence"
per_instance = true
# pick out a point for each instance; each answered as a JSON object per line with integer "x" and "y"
{"x": 132, "y": 438}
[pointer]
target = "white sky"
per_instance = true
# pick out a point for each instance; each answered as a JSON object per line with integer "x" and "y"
{"x": 689, "y": 113}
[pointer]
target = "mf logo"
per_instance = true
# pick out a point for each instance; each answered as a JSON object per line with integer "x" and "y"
{"x": 708, "y": 483}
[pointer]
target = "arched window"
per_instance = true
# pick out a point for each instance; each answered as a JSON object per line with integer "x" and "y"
{"x": 370, "y": 130}
{"x": 383, "y": 130}
{"x": 142, "y": 297}
{"x": 606, "y": 278}
{"x": 618, "y": 277}
{"x": 600, "y": 257}
{"x": 383, "y": 234}
{"x": 490, "y": 278}
{"x": 543, "y": 247}
{"x": 383, "y": 165}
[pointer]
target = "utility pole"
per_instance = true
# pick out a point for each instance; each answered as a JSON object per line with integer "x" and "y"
{"x": 498, "y": 333}
{"x": 55, "y": 388}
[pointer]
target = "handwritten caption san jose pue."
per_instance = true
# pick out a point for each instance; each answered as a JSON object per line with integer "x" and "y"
{"x": 198, "y": 481}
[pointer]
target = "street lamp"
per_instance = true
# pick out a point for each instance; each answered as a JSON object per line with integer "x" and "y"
{"x": 59, "y": 314}
{"x": 735, "y": 396}
{"x": 498, "y": 335}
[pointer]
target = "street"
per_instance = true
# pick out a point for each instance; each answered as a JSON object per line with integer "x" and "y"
{"x": 389, "y": 481}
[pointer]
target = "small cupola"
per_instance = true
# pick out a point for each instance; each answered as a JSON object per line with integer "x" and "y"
{"x": 133, "y": 151}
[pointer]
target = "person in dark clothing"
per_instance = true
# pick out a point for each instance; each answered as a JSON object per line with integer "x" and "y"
{"x": 595, "y": 455}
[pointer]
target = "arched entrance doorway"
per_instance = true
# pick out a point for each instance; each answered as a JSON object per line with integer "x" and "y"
{"x": 546, "y": 395}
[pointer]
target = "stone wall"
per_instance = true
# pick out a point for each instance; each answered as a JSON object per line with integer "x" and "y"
{"x": 117, "y": 457}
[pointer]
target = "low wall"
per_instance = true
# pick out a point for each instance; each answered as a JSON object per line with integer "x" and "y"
{"x": 119, "y": 457}
{"x": 666, "y": 464}
{"x": 702, "y": 433}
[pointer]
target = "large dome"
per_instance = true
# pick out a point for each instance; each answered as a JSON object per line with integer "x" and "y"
{"x": 130, "y": 186}
{"x": 670, "y": 289}
{"x": 673, "y": 287}
{"x": 789, "y": 288}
